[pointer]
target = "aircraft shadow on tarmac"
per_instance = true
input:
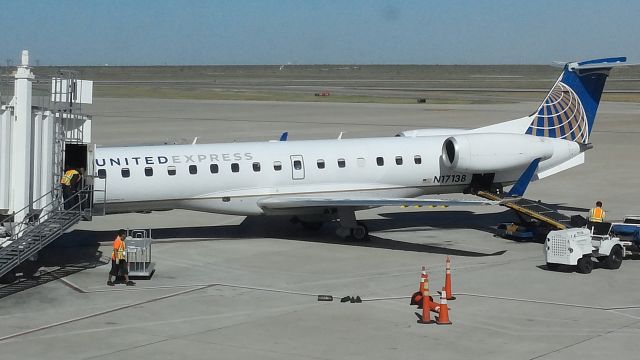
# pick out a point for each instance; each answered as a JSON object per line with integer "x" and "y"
{"x": 79, "y": 250}
{"x": 279, "y": 227}
{"x": 63, "y": 257}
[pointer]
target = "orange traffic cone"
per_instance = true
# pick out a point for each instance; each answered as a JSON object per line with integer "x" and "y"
{"x": 416, "y": 298}
{"x": 447, "y": 280}
{"x": 443, "y": 318}
{"x": 433, "y": 306}
{"x": 426, "y": 305}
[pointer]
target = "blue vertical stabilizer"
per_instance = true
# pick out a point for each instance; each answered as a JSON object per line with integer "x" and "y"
{"x": 518, "y": 189}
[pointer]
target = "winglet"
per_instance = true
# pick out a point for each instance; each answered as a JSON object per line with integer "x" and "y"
{"x": 518, "y": 189}
{"x": 284, "y": 135}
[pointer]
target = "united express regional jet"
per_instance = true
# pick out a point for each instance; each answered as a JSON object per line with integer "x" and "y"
{"x": 323, "y": 180}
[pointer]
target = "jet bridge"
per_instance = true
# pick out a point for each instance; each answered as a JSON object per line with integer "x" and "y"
{"x": 42, "y": 132}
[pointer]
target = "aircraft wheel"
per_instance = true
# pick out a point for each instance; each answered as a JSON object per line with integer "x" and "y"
{"x": 360, "y": 232}
{"x": 585, "y": 264}
{"x": 614, "y": 260}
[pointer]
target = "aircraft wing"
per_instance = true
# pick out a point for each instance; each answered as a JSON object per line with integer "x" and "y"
{"x": 281, "y": 203}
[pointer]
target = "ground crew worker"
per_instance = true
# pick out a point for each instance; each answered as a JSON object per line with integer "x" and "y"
{"x": 119, "y": 260}
{"x": 70, "y": 182}
{"x": 597, "y": 213}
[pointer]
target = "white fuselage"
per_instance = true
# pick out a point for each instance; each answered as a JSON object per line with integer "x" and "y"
{"x": 231, "y": 178}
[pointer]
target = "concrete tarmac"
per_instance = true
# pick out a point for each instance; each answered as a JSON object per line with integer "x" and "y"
{"x": 230, "y": 287}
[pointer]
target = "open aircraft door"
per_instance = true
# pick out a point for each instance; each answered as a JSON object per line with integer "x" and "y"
{"x": 90, "y": 180}
{"x": 297, "y": 167}
{"x": 98, "y": 180}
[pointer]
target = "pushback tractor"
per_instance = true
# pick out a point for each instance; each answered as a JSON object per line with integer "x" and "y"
{"x": 579, "y": 246}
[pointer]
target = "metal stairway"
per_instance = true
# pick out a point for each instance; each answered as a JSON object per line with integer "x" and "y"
{"x": 533, "y": 209}
{"x": 38, "y": 230}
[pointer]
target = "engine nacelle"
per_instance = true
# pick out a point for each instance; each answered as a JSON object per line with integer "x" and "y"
{"x": 431, "y": 132}
{"x": 482, "y": 153}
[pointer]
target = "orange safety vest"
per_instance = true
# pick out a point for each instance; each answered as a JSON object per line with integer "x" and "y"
{"x": 118, "y": 249}
{"x": 596, "y": 214}
{"x": 68, "y": 175}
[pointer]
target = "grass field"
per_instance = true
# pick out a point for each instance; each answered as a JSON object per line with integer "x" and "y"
{"x": 461, "y": 84}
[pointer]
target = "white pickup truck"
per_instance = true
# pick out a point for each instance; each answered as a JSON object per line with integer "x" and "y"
{"x": 578, "y": 247}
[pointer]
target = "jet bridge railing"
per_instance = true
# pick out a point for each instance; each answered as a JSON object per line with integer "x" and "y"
{"x": 34, "y": 217}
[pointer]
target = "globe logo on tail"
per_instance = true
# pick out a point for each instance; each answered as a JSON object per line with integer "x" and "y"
{"x": 561, "y": 116}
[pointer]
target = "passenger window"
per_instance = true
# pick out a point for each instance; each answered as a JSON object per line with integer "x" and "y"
{"x": 125, "y": 172}
{"x": 256, "y": 166}
{"x": 380, "y": 161}
{"x": 398, "y": 160}
{"x": 102, "y": 174}
{"x": 297, "y": 164}
{"x": 213, "y": 168}
{"x": 235, "y": 167}
{"x": 360, "y": 162}
{"x": 342, "y": 163}
{"x": 171, "y": 170}
{"x": 417, "y": 159}
{"x": 277, "y": 165}
{"x": 193, "y": 169}
{"x": 320, "y": 164}
{"x": 148, "y": 171}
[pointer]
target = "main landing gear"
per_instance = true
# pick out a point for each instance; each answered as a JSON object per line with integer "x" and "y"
{"x": 350, "y": 228}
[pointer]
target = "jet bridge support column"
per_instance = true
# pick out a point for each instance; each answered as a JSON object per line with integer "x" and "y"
{"x": 46, "y": 160}
{"x": 42, "y": 154}
{"x": 20, "y": 153}
{"x": 5, "y": 159}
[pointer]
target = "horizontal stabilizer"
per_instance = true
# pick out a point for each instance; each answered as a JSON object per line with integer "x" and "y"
{"x": 606, "y": 63}
{"x": 574, "y": 161}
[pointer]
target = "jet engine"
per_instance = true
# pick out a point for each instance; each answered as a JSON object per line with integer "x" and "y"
{"x": 481, "y": 153}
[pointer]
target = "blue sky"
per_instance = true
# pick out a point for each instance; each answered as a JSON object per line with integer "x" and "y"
{"x": 145, "y": 32}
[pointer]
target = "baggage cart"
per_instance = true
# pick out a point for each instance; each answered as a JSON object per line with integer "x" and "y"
{"x": 138, "y": 245}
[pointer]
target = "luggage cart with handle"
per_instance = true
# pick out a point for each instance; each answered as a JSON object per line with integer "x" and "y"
{"x": 138, "y": 245}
